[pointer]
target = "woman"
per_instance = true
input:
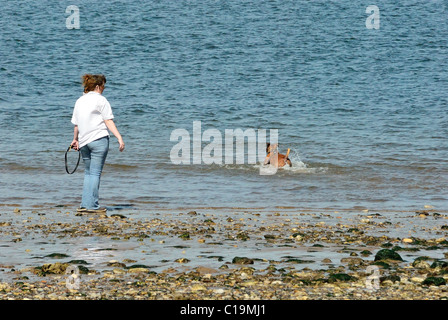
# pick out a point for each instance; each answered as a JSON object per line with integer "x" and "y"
{"x": 92, "y": 117}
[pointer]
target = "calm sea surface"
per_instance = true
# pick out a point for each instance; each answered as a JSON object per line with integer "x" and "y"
{"x": 364, "y": 111}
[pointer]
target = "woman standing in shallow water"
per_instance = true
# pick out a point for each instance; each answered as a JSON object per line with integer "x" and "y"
{"x": 93, "y": 119}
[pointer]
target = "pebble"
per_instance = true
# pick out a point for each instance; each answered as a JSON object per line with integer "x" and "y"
{"x": 198, "y": 287}
{"x": 421, "y": 264}
{"x": 119, "y": 271}
{"x": 219, "y": 291}
{"x": 248, "y": 283}
{"x": 417, "y": 279}
{"x": 136, "y": 270}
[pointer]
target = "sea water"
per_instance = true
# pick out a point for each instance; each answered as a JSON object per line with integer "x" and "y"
{"x": 363, "y": 110}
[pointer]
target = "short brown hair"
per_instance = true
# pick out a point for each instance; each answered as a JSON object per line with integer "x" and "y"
{"x": 90, "y": 81}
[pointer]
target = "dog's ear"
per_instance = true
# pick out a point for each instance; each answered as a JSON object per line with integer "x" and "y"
{"x": 267, "y": 147}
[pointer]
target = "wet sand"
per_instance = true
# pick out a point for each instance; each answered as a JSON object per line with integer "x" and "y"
{"x": 222, "y": 253}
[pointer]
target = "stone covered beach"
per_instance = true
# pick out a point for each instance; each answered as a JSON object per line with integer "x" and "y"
{"x": 286, "y": 253}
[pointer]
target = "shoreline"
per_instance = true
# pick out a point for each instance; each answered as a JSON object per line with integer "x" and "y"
{"x": 223, "y": 253}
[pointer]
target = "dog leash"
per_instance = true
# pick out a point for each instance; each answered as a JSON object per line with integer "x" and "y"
{"x": 66, "y": 165}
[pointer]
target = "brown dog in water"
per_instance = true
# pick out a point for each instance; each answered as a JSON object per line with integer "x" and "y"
{"x": 271, "y": 158}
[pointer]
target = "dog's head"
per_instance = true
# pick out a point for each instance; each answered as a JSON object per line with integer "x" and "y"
{"x": 270, "y": 148}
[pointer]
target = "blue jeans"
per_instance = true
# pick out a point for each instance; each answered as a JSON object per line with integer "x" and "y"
{"x": 94, "y": 155}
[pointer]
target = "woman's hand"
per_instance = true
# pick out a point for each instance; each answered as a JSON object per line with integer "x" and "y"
{"x": 121, "y": 142}
{"x": 112, "y": 128}
{"x": 75, "y": 144}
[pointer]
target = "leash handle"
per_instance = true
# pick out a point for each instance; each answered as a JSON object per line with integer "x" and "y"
{"x": 66, "y": 164}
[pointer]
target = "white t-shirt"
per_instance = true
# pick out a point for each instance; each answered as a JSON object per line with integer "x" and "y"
{"x": 89, "y": 114}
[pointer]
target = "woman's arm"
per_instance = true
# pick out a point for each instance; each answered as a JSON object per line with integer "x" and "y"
{"x": 112, "y": 128}
{"x": 75, "y": 143}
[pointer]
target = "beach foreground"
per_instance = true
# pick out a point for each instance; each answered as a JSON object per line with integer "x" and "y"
{"x": 222, "y": 253}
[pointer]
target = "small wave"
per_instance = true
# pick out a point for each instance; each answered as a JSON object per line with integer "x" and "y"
{"x": 297, "y": 167}
{"x": 12, "y": 166}
{"x": 122, "y": 167}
